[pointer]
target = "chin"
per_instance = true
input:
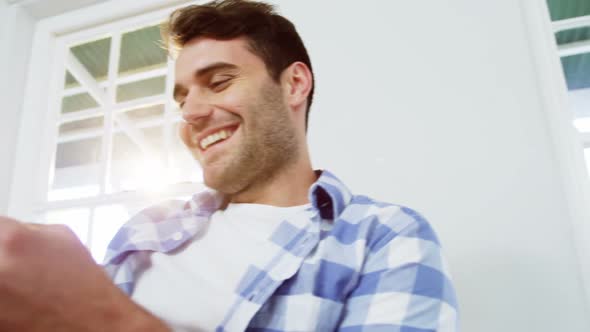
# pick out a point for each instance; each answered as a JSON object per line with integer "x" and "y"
{"x": 219, "y": 182}
{"x": 211, "y": 180}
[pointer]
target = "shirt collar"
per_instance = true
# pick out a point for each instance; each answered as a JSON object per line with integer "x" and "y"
{"x": 171, "y": 227}
{"x": 328, "y": 195}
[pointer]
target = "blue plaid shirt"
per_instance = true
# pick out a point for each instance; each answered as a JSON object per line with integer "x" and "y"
{"x": 356, "y": 265}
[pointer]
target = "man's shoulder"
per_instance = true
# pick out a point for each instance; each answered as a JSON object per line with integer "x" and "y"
{"x": 363, "y": 216}
{"x": 142, "y": 226}
{"x": 384, "y": 221}
{"x": 161, "y": 227}
{"x": 159, "y": 212}
{"x": 202, "y": 202}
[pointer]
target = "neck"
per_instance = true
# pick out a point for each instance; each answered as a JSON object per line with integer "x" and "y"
{"x": 289, "y": 187}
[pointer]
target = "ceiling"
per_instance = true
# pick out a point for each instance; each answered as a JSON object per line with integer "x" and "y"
{"x": 575, "y": 67}
{"x": 45, "y": 8}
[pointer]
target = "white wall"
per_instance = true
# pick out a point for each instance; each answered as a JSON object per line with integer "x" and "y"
{"x": 435, "y": 105}
{"x": 16, "y": 29}
{"x": 40, "y": 9}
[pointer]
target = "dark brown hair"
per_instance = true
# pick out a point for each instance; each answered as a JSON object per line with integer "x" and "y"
{"x": 270, "y": 36}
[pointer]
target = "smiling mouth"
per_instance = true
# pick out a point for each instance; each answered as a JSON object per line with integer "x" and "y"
{"x": 215, "y": 138}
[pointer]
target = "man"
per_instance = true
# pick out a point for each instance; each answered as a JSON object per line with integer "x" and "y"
{"x": 275, "y": 246}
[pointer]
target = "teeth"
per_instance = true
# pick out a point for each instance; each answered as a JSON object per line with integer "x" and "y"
{"x": 213, "y": 138}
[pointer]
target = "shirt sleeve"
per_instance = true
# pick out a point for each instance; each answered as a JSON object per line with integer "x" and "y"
{"x": 128, "y": 251}
{"x": 405, "y": 284}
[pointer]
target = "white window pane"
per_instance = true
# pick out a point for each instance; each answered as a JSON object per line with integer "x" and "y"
{"x": 580, "y": 102}
{"x": 582, "y": 125}
{"x": 145, "y": 114}
{"x": 75, "y": 219}
{"x": 94, "y": 125}
{"x": 76, "y": 170}
{"x": 94, "y": 56}
{"x": 587, "y": 155}
{"x": 141, "y": 50}
{"x": 78, "y": 102}
{"x": 107, "y": 221}
{"x": 73, "y": 192}
{"x": 140, "y": 89}
{"x": 143, "y": 162}
{"x": 144, "y": 158}
{"x": 138, "y": 160}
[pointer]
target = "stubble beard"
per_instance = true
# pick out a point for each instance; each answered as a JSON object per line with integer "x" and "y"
{"x": 269, "y": 146}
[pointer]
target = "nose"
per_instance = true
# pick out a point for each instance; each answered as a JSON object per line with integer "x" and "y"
{"x": 196, "y": 108}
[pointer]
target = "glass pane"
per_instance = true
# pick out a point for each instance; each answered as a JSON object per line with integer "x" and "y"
{"x": 78, "y": 153}
{"x": 155, "y": 140}
{"x": 572, "y": 35}
{"x": 582, "y": 125}
{"x": 140, "y": 89}
{"x": 124, "y": 153}
{"x": 75, "y": 219}
{"x": 561, "y": 9}
{"x": 587, "y": 156}
{"x": 107, "y": 221}
{"x": 79, "y": 102}
{"x": 137, "y": 158}
{"x": 146, "y": 113}
{"x": 579, "y": 103}
{"x": 77, "y": 169}
{"x": 92, "y": 124}
{"x": 576, "y": 68}
{"x": 71, "y": 82}
{"x": 141, "y": 50}
{"x": 94, "y": 56}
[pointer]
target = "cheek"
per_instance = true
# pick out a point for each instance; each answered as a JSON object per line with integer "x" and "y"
{"x": 185, "y": 131}
{"x": 238, "y": 98}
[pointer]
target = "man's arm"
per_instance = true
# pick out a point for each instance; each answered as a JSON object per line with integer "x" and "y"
{"x": 404, "y": 284}
{"x": 49, "y": 282}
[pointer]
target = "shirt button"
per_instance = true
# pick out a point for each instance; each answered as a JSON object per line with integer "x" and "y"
{"x": 177, "y": 236}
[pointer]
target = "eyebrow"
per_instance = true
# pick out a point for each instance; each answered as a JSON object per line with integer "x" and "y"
{"x": 216, "y": 66}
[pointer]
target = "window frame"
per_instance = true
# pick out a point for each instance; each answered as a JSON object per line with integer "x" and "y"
{"x": 37, "y": 136}
{"x": 574, "y": 49}
{"x": 553, "y": 99}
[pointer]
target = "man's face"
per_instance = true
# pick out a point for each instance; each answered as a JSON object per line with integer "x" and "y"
{"x": 237, "y": 124}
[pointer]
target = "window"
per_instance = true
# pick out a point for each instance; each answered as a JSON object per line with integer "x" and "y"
{"x": 571, "y": 22}
{"x": 114, "y": 146}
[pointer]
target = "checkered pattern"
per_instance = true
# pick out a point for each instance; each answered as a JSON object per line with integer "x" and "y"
{"x": 347, "y": 263}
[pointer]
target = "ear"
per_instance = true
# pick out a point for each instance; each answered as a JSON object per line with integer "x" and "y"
{"x": 297, "y": 82}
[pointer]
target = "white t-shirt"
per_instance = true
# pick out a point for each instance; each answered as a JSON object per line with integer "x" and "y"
{"x": 192, "y": 288}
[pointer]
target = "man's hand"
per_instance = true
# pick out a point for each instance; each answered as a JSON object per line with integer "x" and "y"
{"x": 49, "y": 282}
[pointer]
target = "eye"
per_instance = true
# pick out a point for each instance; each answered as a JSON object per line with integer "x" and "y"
{"x": 220, "y": 84}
